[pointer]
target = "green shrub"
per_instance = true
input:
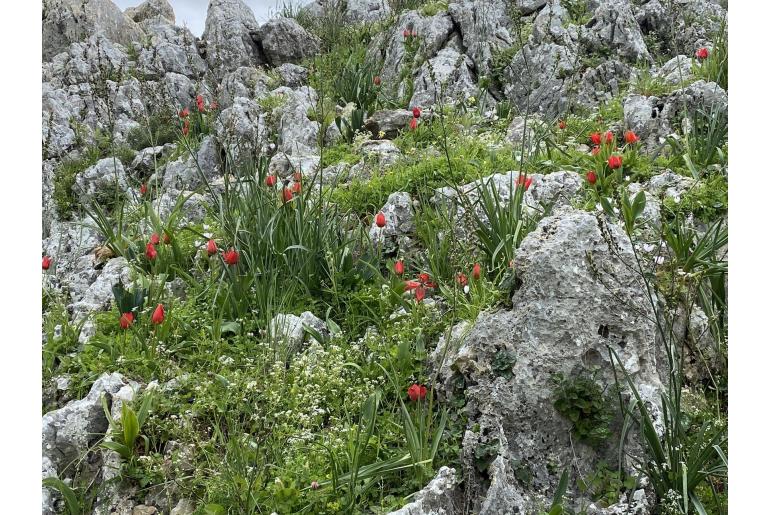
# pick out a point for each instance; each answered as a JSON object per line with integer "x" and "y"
{"x": 582, "y": 401}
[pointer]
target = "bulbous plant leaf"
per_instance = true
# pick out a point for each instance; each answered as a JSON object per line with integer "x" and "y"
{"x": 70, "y": 498}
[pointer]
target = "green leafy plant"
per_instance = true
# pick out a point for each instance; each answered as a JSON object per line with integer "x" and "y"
{"x": 582, "y": 401}
{"x": 125, "y": 432}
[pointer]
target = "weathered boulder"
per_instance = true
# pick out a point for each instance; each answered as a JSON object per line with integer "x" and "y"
{"x": 283, "y": 40}
{"x": 291, "y": 329}
{"x": 247, "y": 82}
{"x": 189, "y": 172}
{"x": 99, "y": 294}
{"x": 241, "y": 128}
{"x": 576, "y": 300}
{"x": 70, "y": 21}
{"x": 103, "y": 180}
{"x": 170, "y": 49}
{"x": 399, "y": 224}
{"x": 390, "y": 122}
{"x": 447, "y": 75}
{"x": 436, "y": 498}
{"x": 292, "y": 75}
{"x": 366, "y": 11}
{"x": 297, "y": 133}
{"x": 151, "y": 9}
{"x": 676, "y": 70}
{"x": 228, "y": 37}
{"x": 482, "y": 25}
{"x": 614, "y": 27}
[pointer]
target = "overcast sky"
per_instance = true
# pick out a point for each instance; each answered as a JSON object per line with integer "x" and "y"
{"x": 193, "y": 12}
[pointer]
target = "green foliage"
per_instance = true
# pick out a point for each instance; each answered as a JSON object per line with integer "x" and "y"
{"x": 704, "y": 142}
{"x": 434, "y": 7}
{"x": 158, "y": 129}
{"x": 503, "y": 363}
{"x": 714, "y": 67}
{"x": 124, "y": 433}
{"x": 583, "y": 402}
{"x": 339, "y": 153}
{"x": 605, "y": 484}
{"x": 706, "y": 201}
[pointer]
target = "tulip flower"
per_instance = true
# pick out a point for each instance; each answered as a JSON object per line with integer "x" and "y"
{"x": 46, "y": 262}
{"x": 615, "y": 162}
{"x": 461, "y": 279}
{"x": 201, "y": 105}
{"x": 184, "y": 113}
{"x": 186, "y": 127}
{"x": 416, "y": 392}
{"x": 158, "y": 315}
{"x": 211, "y": 247}
{"x": 296, "y": 187}
{"x": 270, "y": 180}
{"x": 150, "y": 252}
{"x": 521, "y": 181}
{"x": 126, "y": 319}
{"x": 416, "y": 112}
{"x": 287, "y": 195}
{"x": 419, "y": 294}
{"x": 298, "y": 176}
{"x": 231, "y": 256}
{"x": 398, "y": 267}
{"x": 143, "y": 189}
{"x": 380, "y": 220}
{"x": 413, "y": 124}
{"x": 608, "y": 137}
{"x": 702, "y": 53}
{"x": 411, "y": 285}
{"x": 476, "y": 271}
{"x": 630, "y": 137}
{"x": 591, "y": 177}
{"x": 407, "y": 33}
{"x": 562, "y": 124}
{"x": 155, "y": 239}
{"x": 377, "y": 80}
{"x": 596, "y": 138}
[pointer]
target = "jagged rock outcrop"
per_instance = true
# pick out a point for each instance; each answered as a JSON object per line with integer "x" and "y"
{"x": 228, "y": 37}
{"x": 399, "y": 224}
{"x": 283, "y": 40}
{"x": 71, "y": 21}
{"x": 151, "y": 9}
{"x": 575, "y": 300}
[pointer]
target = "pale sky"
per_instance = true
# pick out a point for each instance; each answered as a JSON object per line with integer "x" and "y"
{"x": 192, "y": 13}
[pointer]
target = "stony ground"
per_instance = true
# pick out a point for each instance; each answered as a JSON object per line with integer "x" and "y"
{"x": 385, "y": 256}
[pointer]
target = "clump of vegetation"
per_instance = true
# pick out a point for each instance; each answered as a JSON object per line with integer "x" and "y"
{"x": 583, "y": 402}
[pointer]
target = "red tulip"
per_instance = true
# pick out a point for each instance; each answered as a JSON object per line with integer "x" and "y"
{"x": 411, "y": 285}
{"x": 562, "y": 124}
{"x": 380, "y": 220}
{"x": 416, "y": 392}
{"x": 413, "y": 124}
{"x": 298, "y": 176}
{"x": 702, "y": 53}
{"x": 126, "y": 319}
{"x": 150, "y": 252}
{"x": 287, "y": 195}
{"x": 143, "y": 189}
{"x": 476, "y": 271}
{"x": 521, "y": 181}
{"x": 461, "y": 279}
{"x": 424, "y": 278}
{"x": 200, "y": 103}
{"x": 296, "y": 187}
{"x": 398, "y": 267}
{"x": 615, "y": 162}
{"x": 186, "y": 127}
{"x": 608, "y": 137}
{"x": 158, "y": 315}
{"x": 407, "y": 33}
{"x": 46, "y": 262}
{"x": 630, "y": 137}
{"x": 184, "y": 113}
{"x": 419, "y": 294}
{"x": 270, "y": 180}
{"x": 416, "y": 112}
{"x": 231, "y": 256}
{"x": 155, "y": 239}
{"x": 377, "y": 80}
{"x": 596, "y": 138}
{"x": 591, "y": 177}
{"x": 211, "y": 247}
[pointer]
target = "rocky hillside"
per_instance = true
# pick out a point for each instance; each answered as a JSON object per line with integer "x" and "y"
{"x": 385, "y": 256}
